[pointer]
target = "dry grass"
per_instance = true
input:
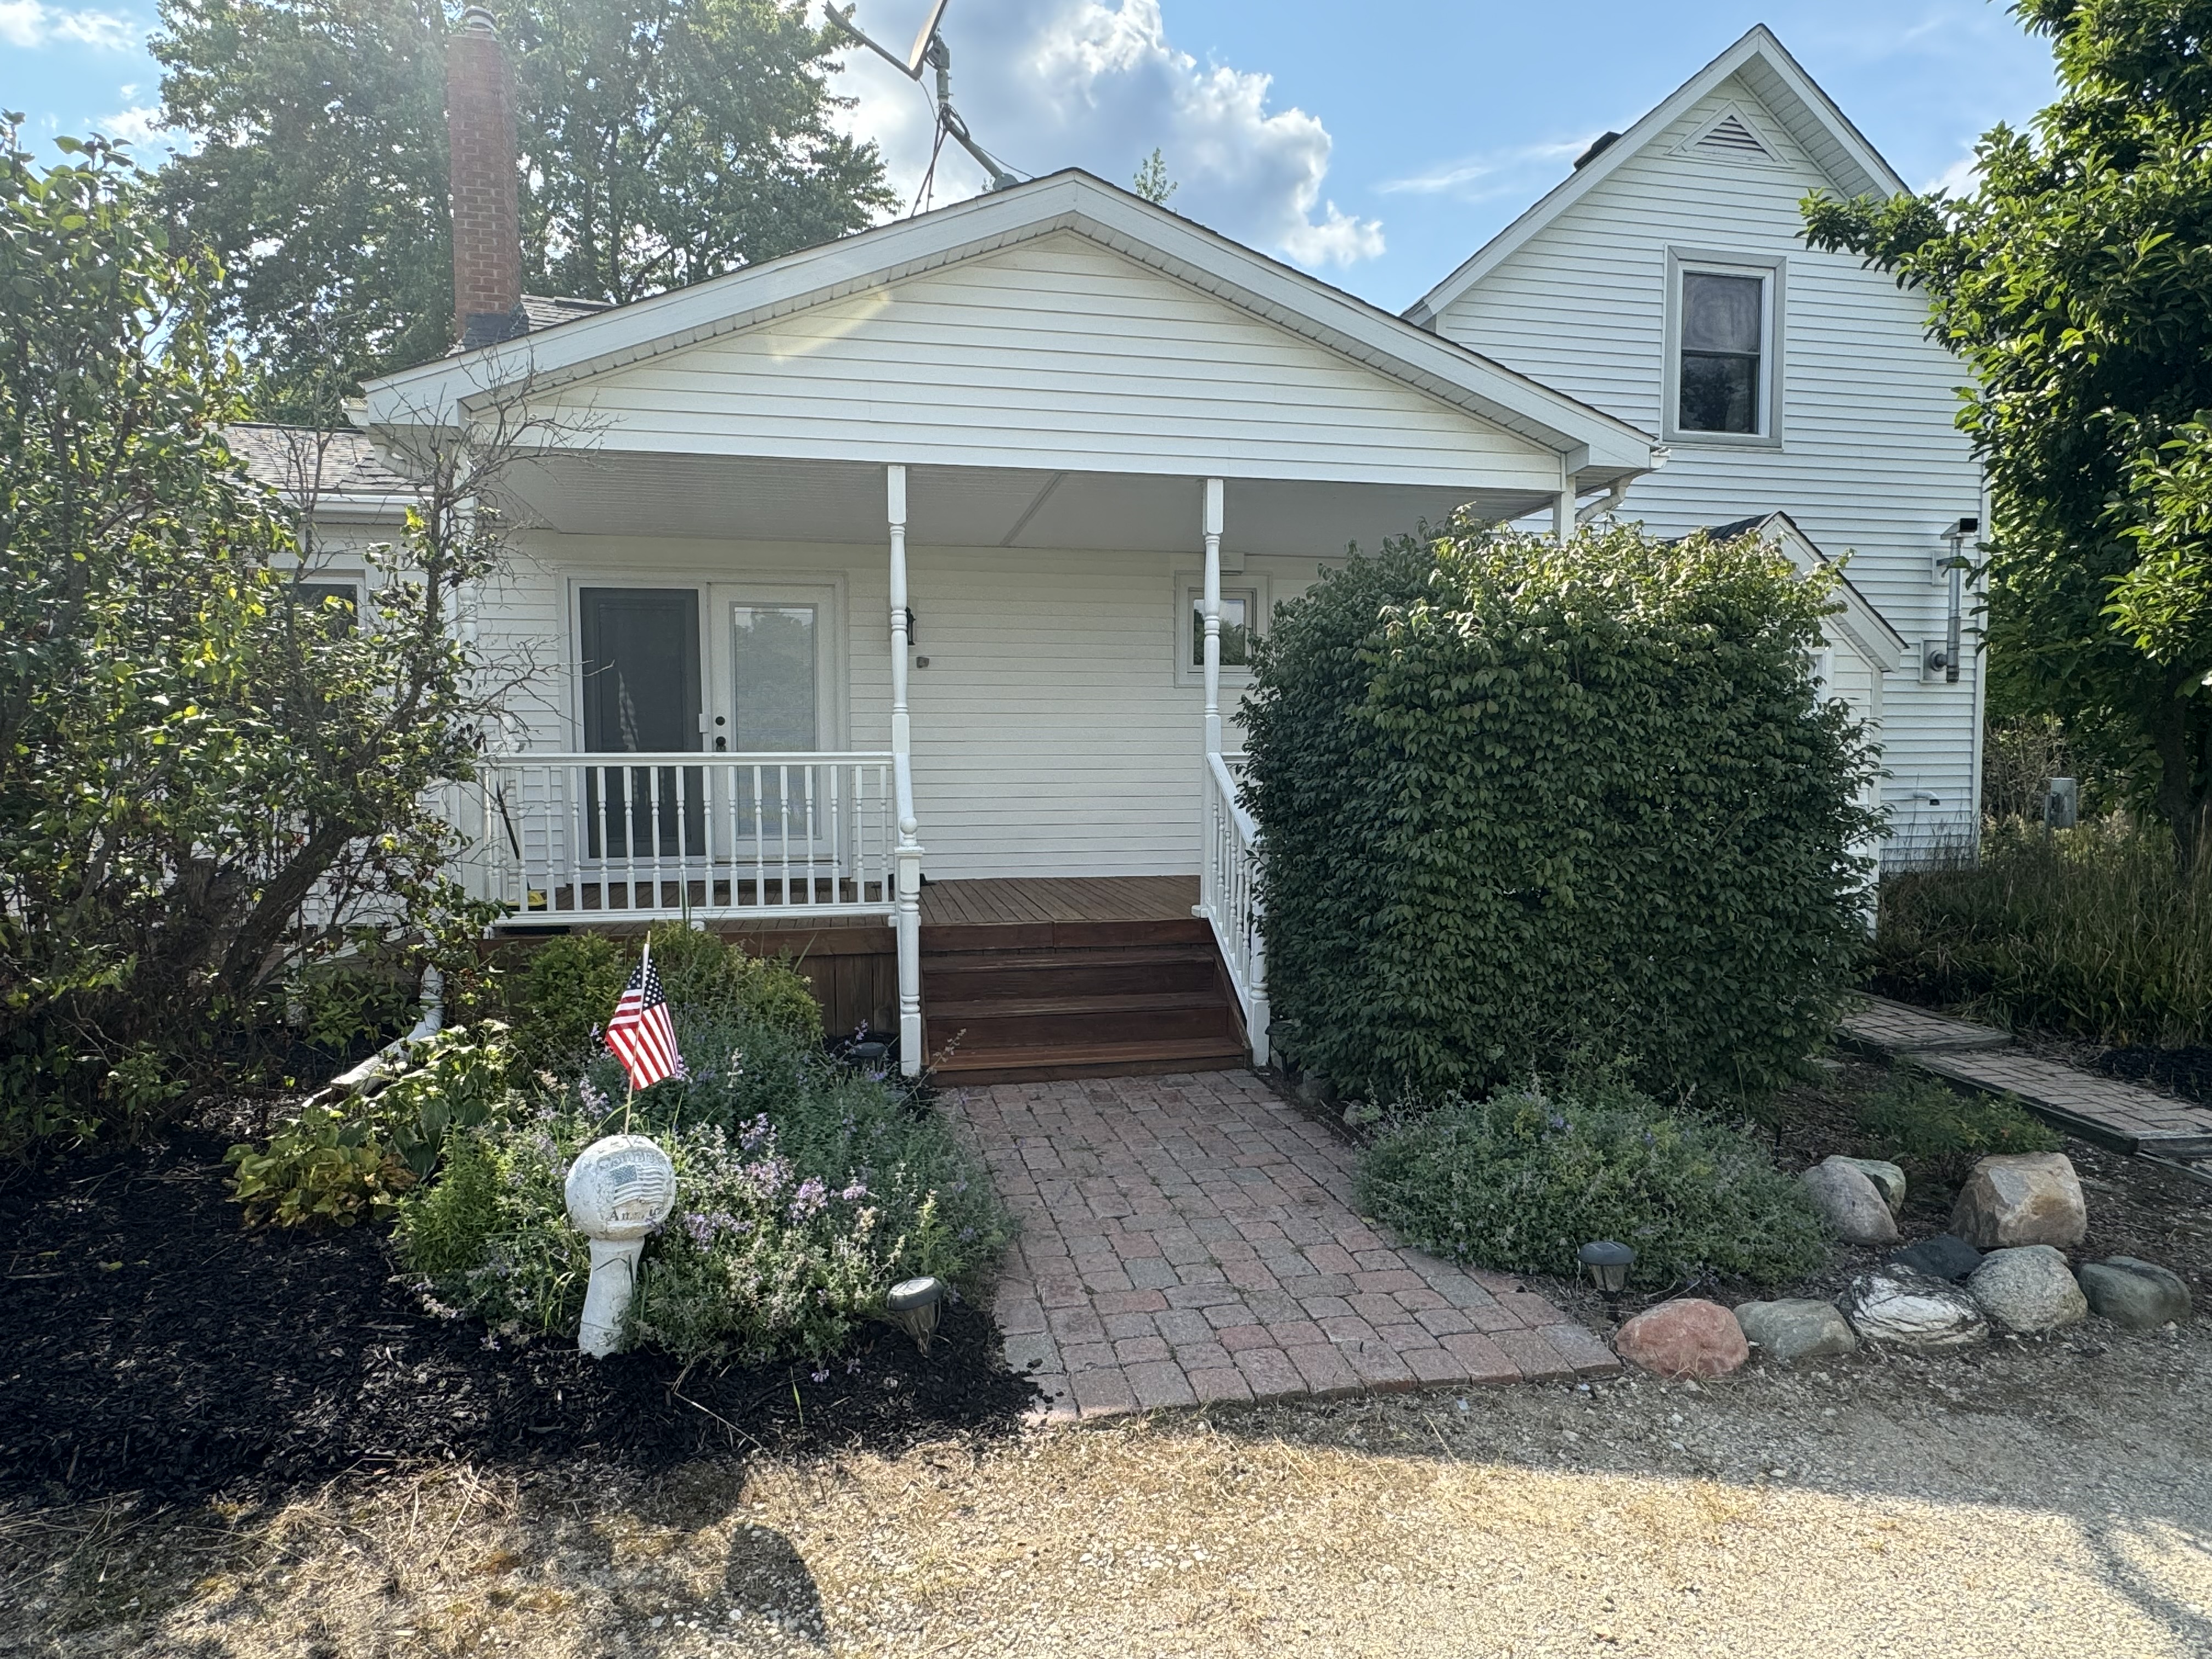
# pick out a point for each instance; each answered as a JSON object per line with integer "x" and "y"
{"x": 2050, "y": 1501}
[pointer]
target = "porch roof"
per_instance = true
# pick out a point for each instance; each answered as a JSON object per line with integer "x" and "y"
{"x": 1476, "y": 418}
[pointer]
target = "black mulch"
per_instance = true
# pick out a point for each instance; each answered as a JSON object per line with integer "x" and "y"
{"x": 149, "y": 1344}
{"x": 2184, "y": 1072}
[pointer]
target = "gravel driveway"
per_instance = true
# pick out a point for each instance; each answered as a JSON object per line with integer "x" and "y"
{"x": 2039, "y": 1499}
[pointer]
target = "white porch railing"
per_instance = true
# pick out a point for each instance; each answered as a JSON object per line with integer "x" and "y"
{"x": 1229, "y": 874}
{"x": 565, "y": 837}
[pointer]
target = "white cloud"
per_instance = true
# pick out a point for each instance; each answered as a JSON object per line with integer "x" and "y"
{"x": 1960, "y": 178}
{"x": 1046, "y": 84}
{"x": 1490, "y": 172}
{"x": 140, "y": 125}
{"x": 29, "y": 23}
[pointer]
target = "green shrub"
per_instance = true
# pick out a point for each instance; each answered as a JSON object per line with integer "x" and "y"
{"x": 1524, "y": 802}
{"x": 337, "y": 1164}
{"x": 1521, "y": 1180}
{"x": 322, "y": 1168}
{"x": 1924, "y": 1123}
{"x": 564, "y": 992}
{"x": 2094, "y": 933}
{"x": 339, "y": 1004}
{"x": 560, "y": 998}
{"x": 805, "y": 1189}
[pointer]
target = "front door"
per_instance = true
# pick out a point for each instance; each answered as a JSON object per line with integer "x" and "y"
{"x": 776, "y": 696}
{"x": 640, "y": 690}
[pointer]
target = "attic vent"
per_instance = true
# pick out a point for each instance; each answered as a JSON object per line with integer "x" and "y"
{"x": 1730, "y": 137}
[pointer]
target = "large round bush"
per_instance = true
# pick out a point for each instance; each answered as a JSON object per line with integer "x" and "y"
{"x": 1524, "y": 802}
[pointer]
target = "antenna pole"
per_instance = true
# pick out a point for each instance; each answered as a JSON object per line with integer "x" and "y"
{"x": 939, "y": 56}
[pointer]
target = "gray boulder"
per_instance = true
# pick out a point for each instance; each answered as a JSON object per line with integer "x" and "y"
{"x": 1887, "y": 1178}
{"x": 1797, "y": 1329}
{"x": 1944, "y": 1256}
{"x": 1849, "y": 1202}
{"x": 1910, "y": 1310}
{"x": 2028, "y": 1289}
{"x": 2139, "y": 1295}
{"x": 2021, "y": 1198}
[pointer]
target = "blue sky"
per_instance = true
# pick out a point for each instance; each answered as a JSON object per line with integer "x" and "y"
{"x": 1378, "y": 144}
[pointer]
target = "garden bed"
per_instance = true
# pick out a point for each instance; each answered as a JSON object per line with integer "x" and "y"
{"x": 2136, "y": 1207}
{"x": 154, "y": 1346}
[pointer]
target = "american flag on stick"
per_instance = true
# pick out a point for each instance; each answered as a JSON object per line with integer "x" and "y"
{"x": 642, "y": 1033}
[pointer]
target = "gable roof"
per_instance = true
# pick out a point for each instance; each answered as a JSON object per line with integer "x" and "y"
{"x": 1866, "y": 628}
{"x": 1781, "y": 84}
{"x": 1590, "y": 441}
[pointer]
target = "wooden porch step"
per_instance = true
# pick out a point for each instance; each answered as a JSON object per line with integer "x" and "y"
{"x": 1008, "y": 1023}
{"x": 968, "y": 976}
{"x": 1025, "y": 1000}
{"x": 1138, "y": 1058}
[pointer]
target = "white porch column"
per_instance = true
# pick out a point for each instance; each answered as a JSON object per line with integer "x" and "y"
{"x": 907, "y": 858}
{"x": 1563, "y": 516}
{"x": 1211, "y": 607}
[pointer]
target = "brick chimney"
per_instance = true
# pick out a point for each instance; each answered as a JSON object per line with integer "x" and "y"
{"x": 487, "y": 221}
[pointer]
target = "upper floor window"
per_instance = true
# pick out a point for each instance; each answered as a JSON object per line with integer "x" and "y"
{"x": 1723, "y": 338}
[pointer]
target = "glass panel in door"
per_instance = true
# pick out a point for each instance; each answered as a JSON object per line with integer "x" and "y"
{"x": 640, "y": 677}
{"x": 783, "y": 813}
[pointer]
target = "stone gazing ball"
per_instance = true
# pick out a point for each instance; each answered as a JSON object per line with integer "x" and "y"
{"x": 620, "y": 1187}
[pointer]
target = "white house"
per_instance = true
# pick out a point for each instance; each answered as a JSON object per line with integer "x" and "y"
{"x": 1666, "y": 280}
{"x": 907, "y": 576}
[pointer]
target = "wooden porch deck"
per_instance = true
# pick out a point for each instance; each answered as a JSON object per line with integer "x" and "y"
{"x": 1022, "y": 978}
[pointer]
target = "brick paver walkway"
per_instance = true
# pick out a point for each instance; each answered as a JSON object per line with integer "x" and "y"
{"x": 1189, "y": 1240}
{"x": 2118, "y": 1114}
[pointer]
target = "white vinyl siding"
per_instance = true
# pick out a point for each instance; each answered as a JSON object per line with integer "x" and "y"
{"x": 1054, "y": 353}
{"x": 1870, "y": 462}
{"x": 1053, "y": 735}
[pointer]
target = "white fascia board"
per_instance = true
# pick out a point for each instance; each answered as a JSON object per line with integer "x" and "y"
{"x": 1868, "y": 630}
{"x": 1793, "y": 97}
{"x": 439, "y": 395}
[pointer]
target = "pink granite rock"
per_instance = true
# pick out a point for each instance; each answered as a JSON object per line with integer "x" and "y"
{"x": 1689, "y": 1338}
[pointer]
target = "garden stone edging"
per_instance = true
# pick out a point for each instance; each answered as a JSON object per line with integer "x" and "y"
{"x": 1888, "y": 1179}
{"x": 2135, "y": 1294}
{"x": 1798, "y": 1327}
{"x": 1946, "y": 1256}
{"x": 2021, "y": 1198}
{"x": 1908, "y": 1309}
{"x": 1687, "y": 1338}
{"x": 1849, "y": 1202}
{"x": 2028, "y": 1289}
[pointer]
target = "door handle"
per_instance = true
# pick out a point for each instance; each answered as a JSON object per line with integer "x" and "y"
{"x": 721, "y": 745}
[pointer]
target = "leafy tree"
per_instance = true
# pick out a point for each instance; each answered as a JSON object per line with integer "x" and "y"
{"x": 662, "y": 141}
{"x": 205, "y": 783}
{"x": 2077, "y": 283}
{"x": 1151, "y": 181}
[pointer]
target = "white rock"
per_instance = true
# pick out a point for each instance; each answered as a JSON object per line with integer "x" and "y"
{"x": 2028, "y": 1289}
{"x": 1910, "y": 1310}
{"x": 1849, "y": 1202}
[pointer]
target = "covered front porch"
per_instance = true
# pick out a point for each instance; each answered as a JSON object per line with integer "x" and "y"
{"x": 932, "y": 553}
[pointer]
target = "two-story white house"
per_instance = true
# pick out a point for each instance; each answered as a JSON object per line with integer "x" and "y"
{"x": 1666, "y": 280}
{"x": 891, "y": 595}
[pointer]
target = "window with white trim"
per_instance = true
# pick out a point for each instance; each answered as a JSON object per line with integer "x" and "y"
{"x": 1243, "y": 608}
{"x": 1724, "y": 343}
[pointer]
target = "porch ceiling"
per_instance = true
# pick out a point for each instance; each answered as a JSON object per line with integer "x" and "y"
{"x": 737, "y": 499}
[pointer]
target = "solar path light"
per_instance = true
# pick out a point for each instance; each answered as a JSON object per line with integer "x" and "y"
{"x": 913, "y": 1305}
{"x": 619, "y": 1189}
{"x": 1607, "y": 1264}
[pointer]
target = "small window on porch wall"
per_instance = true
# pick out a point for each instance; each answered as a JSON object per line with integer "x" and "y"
{"x": 1239, "y": 607}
